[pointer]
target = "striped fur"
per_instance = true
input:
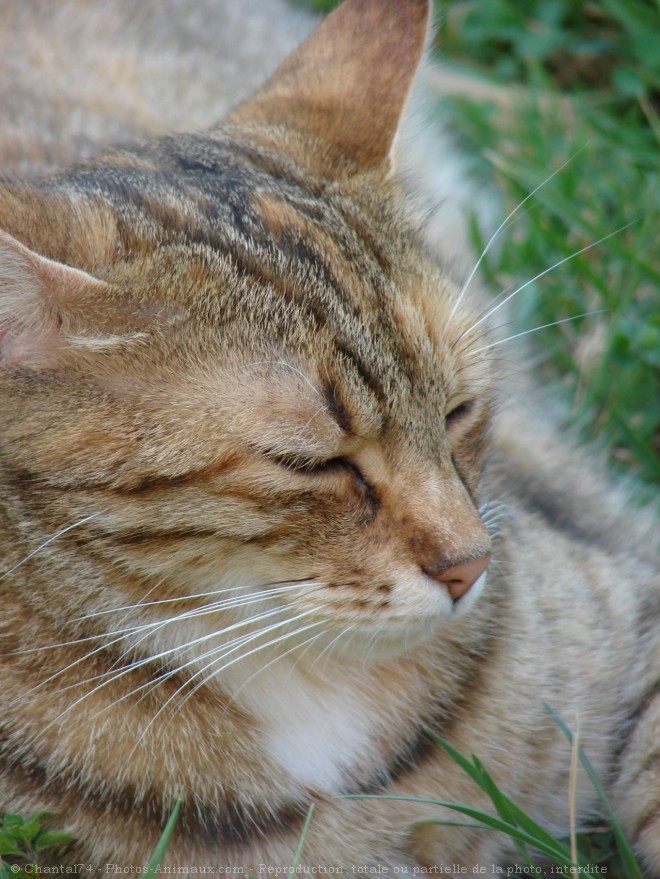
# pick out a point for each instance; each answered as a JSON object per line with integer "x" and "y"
{"x": 251, "y": 421}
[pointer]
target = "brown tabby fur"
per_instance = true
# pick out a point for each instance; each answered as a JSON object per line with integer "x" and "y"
{"x": 227, "y": 362}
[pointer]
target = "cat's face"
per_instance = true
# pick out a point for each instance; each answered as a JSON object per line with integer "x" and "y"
{"x": 263, "y": 385}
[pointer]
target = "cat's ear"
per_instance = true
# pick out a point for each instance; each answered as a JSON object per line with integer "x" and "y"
{"x": 346, "y": 87}
{"x": 40, "y": 304}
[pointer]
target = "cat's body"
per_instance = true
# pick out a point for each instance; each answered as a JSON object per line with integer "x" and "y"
{"x": 230, "y": 367}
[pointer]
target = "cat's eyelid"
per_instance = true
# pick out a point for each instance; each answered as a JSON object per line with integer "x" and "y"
{"x": 309, "y": 464}
{"x": 458, "y": 408}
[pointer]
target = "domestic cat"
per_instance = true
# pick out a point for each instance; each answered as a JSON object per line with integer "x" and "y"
{"x": 262, "y": 524}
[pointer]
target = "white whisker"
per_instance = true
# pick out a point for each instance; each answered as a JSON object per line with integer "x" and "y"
{"x": 201, "y": 671}
{"x": 203, "y": 610}
{"x": 288, "y": 366}
{"x": 502, "y": 226}
{"x": 547, "y": 271}
{"x": 113, "y": 675}
{"x": 48, "y": 542}
{"x": 264, "y": 590}
{"x": 553, "y": 323}
{"x": 328, "y": 647}
{"x": 309, "y": 641}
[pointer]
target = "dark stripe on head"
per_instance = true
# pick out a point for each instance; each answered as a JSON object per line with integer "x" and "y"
{"x": 336, "y": 407}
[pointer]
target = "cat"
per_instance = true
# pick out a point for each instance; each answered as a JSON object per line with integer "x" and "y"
{"x": 262, "y": 524}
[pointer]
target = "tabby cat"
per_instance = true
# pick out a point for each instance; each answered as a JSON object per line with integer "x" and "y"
{"x": 261, "y": 524}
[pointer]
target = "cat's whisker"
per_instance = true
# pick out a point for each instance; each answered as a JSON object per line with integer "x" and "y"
{"x": 308, "y": 641}
{"x": 112, "y": 674}
{"x": 493, "y": 302}
{"x": 154, "y": 625}
{"x": 68, "y": 667}
{"x": 216, "y": 607}
{"x": 328, "y": 648}
{"x": 142, "y": 603}
{"x": 152, "y": 684}
{"x": 370, "y": 646}
{"x": 264, "y": 588}
{"x": 505, "y": 222}
{"x": 47, "y": 542}
{"x": 254, "y": 650}
{"x": 551, "y": 268}
{"x": 553, "y": 323}
{"x": 230, "y": 663}
{"x": 203, "y": 610}
{"x": 288, "y": 366}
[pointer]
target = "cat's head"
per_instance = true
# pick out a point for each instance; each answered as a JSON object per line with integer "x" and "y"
{"x": 230, "y": 362}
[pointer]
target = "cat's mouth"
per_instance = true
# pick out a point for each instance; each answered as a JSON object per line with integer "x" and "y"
{"x": 389, "y": 618}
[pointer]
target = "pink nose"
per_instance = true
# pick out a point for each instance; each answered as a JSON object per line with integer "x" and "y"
{"x": 460, "y": 578}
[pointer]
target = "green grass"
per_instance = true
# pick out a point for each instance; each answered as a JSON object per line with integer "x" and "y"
{"x": 24, "y": 841}
{"x": 535, "y": 846}
{"x": 578, "y": 82}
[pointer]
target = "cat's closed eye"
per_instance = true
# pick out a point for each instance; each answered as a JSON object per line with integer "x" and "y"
{"x": 320, "y": 467}
{"x": 456, "y": 412}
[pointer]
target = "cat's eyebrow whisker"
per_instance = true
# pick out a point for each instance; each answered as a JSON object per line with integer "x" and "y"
{"x": 553, "y": 323}
{"x": 547, "y": 271}
{"x": 503, "y": 225}
{"x": 288, "y": 366}
{"x": 48, "y": 542}
{"x": 322, "y": 408}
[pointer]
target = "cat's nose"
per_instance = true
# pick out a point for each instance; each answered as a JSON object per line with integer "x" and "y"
{"x": 459, "y": 579}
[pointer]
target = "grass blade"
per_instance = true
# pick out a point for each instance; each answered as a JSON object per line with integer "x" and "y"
{"x": 627, "y": 855}
{"x": 506, "y": 808}
{"x": 163, "y": 843}
{"x": 303, "y": 836}
{"x": 558, "y": 853}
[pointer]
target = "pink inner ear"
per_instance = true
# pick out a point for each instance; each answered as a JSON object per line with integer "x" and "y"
{"x": 35, "y": 293}
{"x": 348, "y": 83}
{"x": 30, "y": 349}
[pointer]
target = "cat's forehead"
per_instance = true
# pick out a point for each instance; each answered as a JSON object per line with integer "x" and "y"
{"x": 272, "y": 264}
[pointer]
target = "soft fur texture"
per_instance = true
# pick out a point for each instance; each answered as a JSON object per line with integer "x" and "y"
{"x": 248, "y": 428}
